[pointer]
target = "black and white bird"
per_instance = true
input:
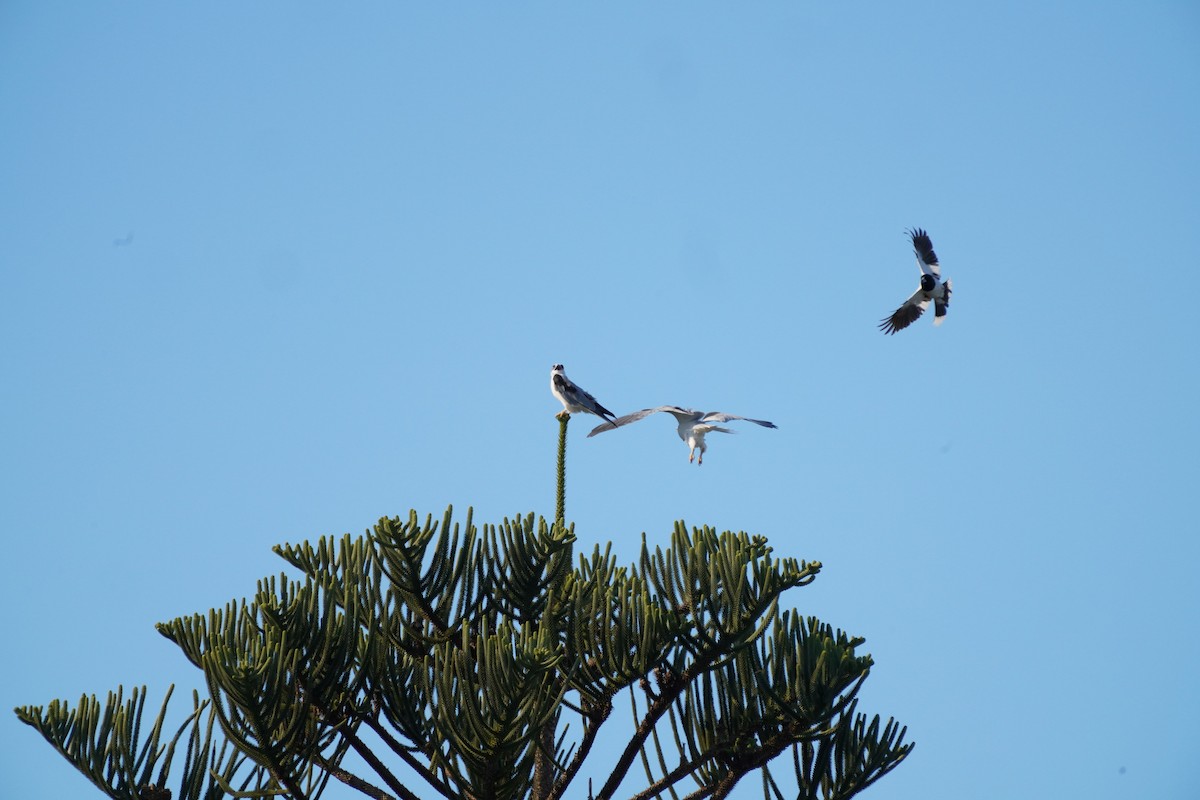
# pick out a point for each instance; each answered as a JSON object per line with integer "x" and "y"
{"x": 693, "y": 425}
{"x": 574, "y": 399}
{"x": 932, "y": 289}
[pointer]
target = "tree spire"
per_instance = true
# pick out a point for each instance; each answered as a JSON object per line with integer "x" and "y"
{"x": 560, "y": 507}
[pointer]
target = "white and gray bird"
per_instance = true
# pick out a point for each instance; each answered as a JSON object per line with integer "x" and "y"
{"x": 933, "y": 289}
{"x": 693, "y": 425}
{"x": 574, "y": 399}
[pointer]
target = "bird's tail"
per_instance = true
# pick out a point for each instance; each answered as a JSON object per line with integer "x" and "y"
{"x": 942, "y": 304}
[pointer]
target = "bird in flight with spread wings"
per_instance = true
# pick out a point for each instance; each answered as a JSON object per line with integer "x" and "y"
{"x": 932, "y": 289}
{"x": 574, "y": 399}
{"x": 693, "y": 425}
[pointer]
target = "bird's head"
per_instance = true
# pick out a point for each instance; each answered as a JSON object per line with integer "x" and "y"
{"x": 556, "y": 368}
{"x": 927, "y": 283}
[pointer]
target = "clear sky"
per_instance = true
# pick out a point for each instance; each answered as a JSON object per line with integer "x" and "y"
{"x": 271, "y": 271}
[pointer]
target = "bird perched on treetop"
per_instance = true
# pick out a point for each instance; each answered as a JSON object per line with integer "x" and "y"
{"x": 574, "y": 399}
{"x": 932, "y": 289}
{"x": 693, "y": 425}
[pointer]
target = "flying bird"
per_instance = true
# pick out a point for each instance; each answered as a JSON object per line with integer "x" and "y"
{"x": 932, "y": 289}
{"x": 574, "y": 399}
{"x": 693, "y": 425}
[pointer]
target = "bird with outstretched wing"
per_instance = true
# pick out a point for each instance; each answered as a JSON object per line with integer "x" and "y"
{"x": 932, "y": 290}
{"x": 693, "y": 425}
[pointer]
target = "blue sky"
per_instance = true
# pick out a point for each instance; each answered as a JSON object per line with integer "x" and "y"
{"x": 360, "y": 239}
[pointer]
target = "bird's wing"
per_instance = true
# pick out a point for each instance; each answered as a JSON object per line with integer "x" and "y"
{"x": 568, "y": 392}
{"x": 596, "y": 408}
{"x": 706, "y": 428}
{"x": 579, "y": 397}
{"x": 941, "y": 304}
{"x": 634, "y": 417}
{"x": 682, "y": 414}
{"x": 720, "y": 416}
{"x": 906, "y": 314}
{"x": 927, "y": 260}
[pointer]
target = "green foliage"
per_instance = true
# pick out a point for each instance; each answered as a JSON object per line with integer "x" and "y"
{"x": 102, "y": 742}
{"x": 446, "y": 649}
{"x": 485, "y": 662}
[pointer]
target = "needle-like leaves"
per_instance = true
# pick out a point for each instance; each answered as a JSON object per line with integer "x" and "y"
{"x": 468, "y": 659}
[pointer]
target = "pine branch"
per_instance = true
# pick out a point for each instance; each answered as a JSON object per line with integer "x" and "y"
{"x": 355, "y": 782}
{"x": 381, "y": 770}
{"x": 658, "y": 749}
{"x": 654, "y": 713}
{"x": 595, "y": 719}
{"x": 672, "y": 777}
{"x": 400, "y": 750}
{"x": 102, "y": 741}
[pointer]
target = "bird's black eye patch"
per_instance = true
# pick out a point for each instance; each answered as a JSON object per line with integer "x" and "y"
{"x": 556, "y": 366}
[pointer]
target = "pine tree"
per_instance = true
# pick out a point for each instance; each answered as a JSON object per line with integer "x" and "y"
{"x": 482, "y": 663}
